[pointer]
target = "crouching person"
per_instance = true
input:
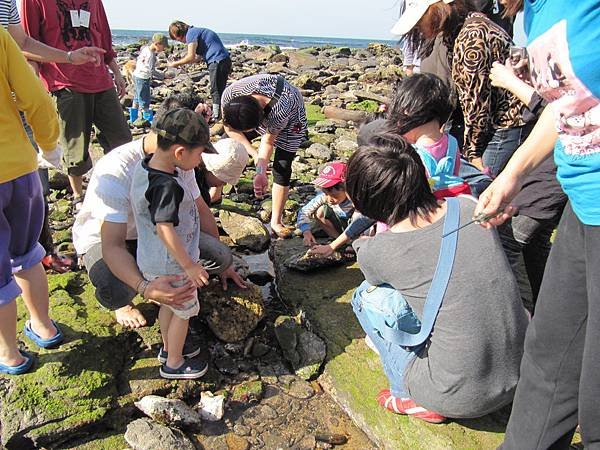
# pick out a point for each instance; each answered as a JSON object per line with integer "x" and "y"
{"x": 448, "y": 322}
{"x": 331, "y": 211}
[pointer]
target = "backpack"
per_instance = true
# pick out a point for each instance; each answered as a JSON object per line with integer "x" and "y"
{"x": 387, "y": 311}
{"x": 442, "y": 180}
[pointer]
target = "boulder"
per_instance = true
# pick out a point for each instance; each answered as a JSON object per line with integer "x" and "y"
{"x": 168, "y": 411}
{"x": 320, "y": 152}
{"x": 331, "y": 112}
{"x": 304, "y": 262}
{"x": 232, "y": 314}
{"x": 245, "y": 231}
{"x": 303, "y": 60}
{"x": 308, "y": 81}
{"x": 143, "y": 434}
{"x": 303, "y": 349}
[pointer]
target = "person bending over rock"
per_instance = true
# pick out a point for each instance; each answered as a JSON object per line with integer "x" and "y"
{"x": 271, "y": 106}
{"x": 104, "y": 233}
{"x": 467, "y": 362}
{"x": 206, "y": 44}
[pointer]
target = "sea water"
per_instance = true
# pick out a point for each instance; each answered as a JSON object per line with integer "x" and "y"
{"x": 125, "y": 37}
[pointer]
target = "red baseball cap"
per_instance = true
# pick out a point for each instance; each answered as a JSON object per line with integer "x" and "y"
{"x": 332, "y": 174}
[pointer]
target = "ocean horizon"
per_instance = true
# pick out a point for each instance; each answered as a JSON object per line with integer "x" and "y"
{"x": 126, "y": 37}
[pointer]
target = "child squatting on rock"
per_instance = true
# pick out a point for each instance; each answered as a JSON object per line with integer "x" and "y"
{"x": 331, "y": 211}
{"x": 164, "y": 194}
{"x": 142, "y": 76}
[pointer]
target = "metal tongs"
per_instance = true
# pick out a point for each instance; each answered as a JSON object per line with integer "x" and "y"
{"x": 479, "y": 218}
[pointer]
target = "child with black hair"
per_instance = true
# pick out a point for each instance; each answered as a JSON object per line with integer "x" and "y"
{"x": 332, "y": 211}
{"x": 467, "y": 364}
{"x": 164, "y": 193}
{"x": 420, "y": 108}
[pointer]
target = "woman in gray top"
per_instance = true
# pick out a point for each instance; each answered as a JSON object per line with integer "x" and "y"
{"x": 469, "y": 365}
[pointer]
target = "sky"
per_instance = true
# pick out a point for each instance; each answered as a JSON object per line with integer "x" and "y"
{"x": 369, "y": 19}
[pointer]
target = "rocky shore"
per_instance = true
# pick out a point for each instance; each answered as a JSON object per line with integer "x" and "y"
{"x": 262, "y": 390}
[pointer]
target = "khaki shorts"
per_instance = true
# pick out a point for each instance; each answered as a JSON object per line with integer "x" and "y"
{"x": 77, "y": 113}
{"x": 189, "y": 309}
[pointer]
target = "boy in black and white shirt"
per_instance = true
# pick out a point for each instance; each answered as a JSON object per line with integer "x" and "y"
{"x": 164, "y": 194}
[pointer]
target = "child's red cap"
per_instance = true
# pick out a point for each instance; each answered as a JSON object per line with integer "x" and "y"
{"x": 332, "y": 174}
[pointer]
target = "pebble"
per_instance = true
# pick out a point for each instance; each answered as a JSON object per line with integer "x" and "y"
{"x": 301, "y": 389}
{"x": 331, "y": 438}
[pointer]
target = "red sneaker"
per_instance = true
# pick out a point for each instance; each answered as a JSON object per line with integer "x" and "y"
{"x": 408, "y": 407}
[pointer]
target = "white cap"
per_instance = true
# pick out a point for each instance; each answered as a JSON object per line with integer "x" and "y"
{"x": 415, "y": 9}
{"x": 229, "y": 162}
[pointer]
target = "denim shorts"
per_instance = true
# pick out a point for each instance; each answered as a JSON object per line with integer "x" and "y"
{"x": 141, "y": 96}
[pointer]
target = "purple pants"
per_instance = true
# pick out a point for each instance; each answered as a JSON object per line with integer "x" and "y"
{"x": 21, "y": 217}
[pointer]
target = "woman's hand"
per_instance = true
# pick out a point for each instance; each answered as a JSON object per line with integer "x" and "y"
{"x": 495, "y": 200}
{"x": 321, "y": 250}
{"x": 503, "y": 75}
{"x": 260, "y": 184}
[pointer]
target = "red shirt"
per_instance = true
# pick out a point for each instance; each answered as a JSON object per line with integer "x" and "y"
{"x": 49, "y": 21}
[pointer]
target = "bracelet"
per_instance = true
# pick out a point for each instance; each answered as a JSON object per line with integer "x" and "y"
{"x": 69, "y": 57}
{"x": 141, "y": 287}
{"x": 260, "y": 170}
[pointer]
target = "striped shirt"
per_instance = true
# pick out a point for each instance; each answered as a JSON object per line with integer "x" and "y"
{"x": 287, "y": 119}
{"x": 9, "y": 15}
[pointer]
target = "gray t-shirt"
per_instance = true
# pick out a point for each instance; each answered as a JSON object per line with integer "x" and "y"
{"x": 471, "y": 364}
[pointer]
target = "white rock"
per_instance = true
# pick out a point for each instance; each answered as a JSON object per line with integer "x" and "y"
{"x": 211, "y": 406}
{"x": 167, "y": 411}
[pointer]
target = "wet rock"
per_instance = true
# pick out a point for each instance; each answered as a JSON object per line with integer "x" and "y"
{"x": 227, "y": 366}
{"x": 245, "y": 231}
{"x": 299, "y": 389}
{"x": 261, "y": 277}
{"x": 168, "y": 411}
{"x": 302, "y": 348}
{"x": 320, "y": 152}
{"x": 57, "y": 180}
{"x": 211, "y": 406}
{"x": 331, "y": 438}
{"x": 305, "y": 262}
{"x": 232, "y": 314}
{"x": 248, "y": 392}
{"x": 143, "y": 434}
{"x": 235, "y": 442}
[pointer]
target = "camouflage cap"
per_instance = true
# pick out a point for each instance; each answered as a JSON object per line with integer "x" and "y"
{"x": 184, "y": 125}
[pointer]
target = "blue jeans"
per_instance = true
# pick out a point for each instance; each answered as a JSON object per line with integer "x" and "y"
{"x": 141, "y": 96}
{"x": 477, "y": 180}
{"x": 393, "y": 357}
{"x": 503, "y": 144}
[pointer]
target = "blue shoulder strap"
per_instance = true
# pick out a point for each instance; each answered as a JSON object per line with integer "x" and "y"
{"x": 439, "y": 284}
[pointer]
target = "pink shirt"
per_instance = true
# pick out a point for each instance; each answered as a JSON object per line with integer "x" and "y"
{"x": 49, "y": 21}
{"x": 438, "y": 151}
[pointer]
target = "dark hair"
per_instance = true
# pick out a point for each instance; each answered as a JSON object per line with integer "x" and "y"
{"x": 419, "y": 99}
{"x": 178, "y": 29}
{"x": 243, "y": 113}
{"x": 444, "y": 18}
{"x": 341, "y": 186}
{"x": 388, "y": 182}
{"x": 187, "y": 100}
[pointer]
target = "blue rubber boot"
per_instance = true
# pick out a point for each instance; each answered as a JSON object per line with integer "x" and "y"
{"x": 148, "y": 115}
{"x": 133, "y": 114}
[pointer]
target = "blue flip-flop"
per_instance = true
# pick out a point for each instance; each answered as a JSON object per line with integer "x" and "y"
{"x": 21, "y": 368}
{"x": 44, "y": 343}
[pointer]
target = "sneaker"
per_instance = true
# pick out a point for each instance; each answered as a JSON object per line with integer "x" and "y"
{"x": 408, "y": 407}
{"x": 190, "y": 349}
{"x": 191, "y": 369}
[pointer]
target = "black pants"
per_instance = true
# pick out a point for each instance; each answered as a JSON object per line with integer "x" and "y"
{"x": 218, "y": 73}
{"x": 560, "y": 371}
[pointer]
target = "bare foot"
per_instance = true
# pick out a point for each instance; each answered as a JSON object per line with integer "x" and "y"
{"x": 130, "y": 317}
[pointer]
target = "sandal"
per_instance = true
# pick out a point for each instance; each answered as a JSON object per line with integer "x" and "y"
{"x": 21, "y": 368}
{"x": 54, "y": 341}
{"x": 408, "y": 407}
{"x": 58, "y": 263}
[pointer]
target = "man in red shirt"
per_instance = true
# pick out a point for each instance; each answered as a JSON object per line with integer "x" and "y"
{"x": 85, "y": 95}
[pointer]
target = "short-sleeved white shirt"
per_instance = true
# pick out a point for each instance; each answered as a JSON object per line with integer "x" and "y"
{"x": 107, "y": 196}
